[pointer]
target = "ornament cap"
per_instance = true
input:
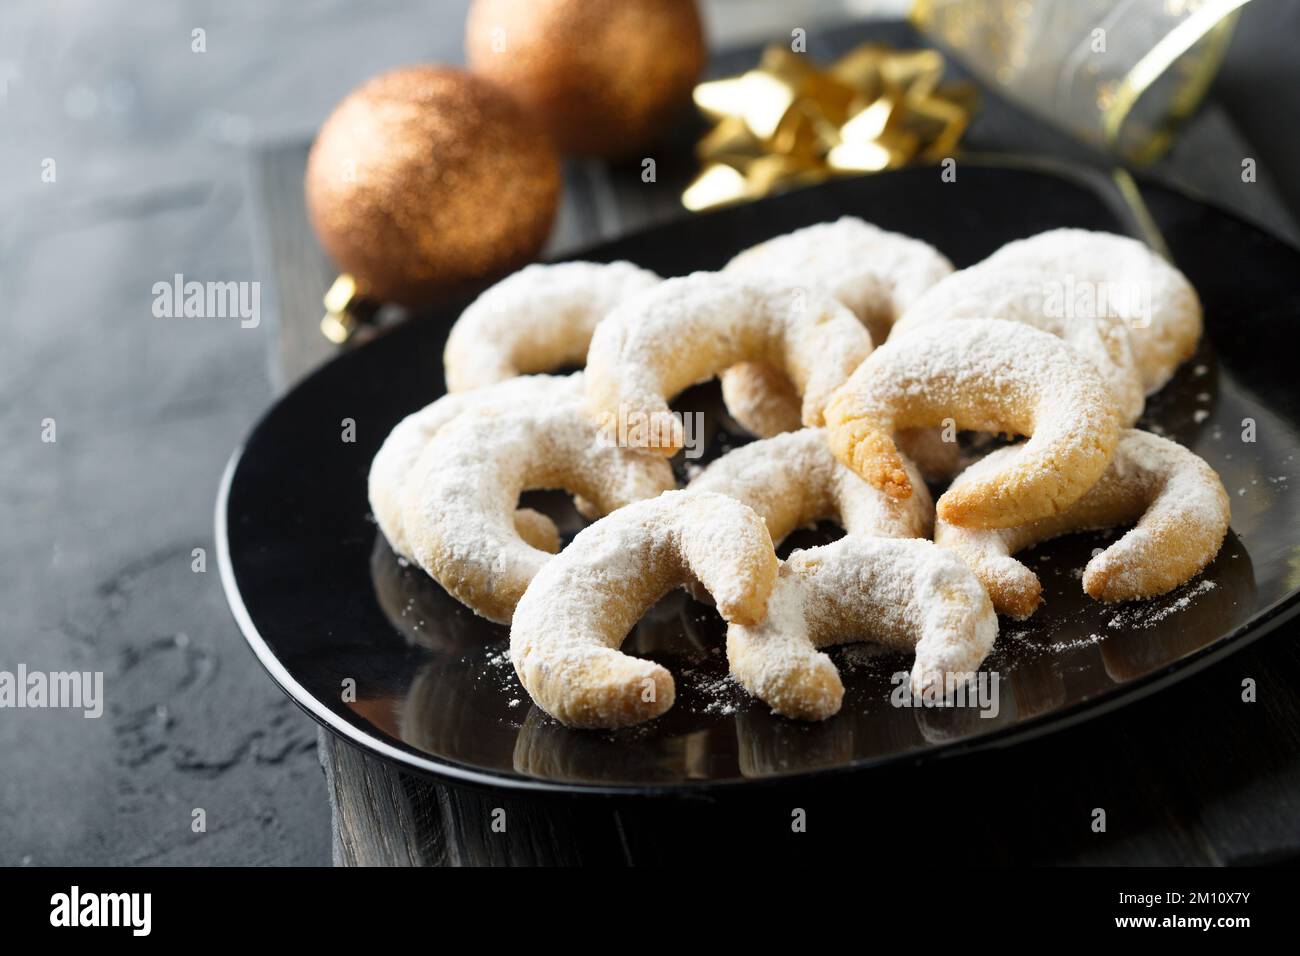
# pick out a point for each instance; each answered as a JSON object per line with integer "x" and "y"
{"x": 346, "y": 309}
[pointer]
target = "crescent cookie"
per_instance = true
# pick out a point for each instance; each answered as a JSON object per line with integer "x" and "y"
{"x": 1177, "y": 500}
{"x": 458, "y": 506}
{"x": 793, "y": 481}
{"x": 904, "y": 593}
{"x": 765, "y": 403}
{"x": 537, "y": 320}
{"x": 987, "y": 291}
{"x": 875, "y": 273}
{"x": 565, "y": 636}
{"x": 990, "y": 376}
{"x": 397, "y": 456}
{"x": 689, "y": 329}
{"x": 1159, "y": 306}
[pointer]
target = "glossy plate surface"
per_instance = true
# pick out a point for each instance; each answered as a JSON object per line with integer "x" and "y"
{"x": 322, "y": 599}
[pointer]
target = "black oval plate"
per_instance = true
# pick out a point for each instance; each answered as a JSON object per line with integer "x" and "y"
{"x": 324, "y": 602}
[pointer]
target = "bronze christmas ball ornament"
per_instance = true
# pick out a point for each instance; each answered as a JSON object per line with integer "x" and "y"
{"x": 606, "y": 77}
{"x": 428, "y": 178}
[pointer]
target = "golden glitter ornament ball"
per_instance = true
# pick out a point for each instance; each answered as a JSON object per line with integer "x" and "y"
{"x": 428, "y": 178}
{"x": 606, "y": 77}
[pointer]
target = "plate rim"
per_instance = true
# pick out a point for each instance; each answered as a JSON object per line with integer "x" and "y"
{"x": 1259, "y": 625}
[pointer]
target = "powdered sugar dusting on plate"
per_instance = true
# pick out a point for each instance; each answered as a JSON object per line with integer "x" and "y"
{"x": 1147, "y": 615}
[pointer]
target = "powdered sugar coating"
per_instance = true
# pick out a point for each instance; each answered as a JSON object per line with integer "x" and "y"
{"x": 764, "y": 402}
{"x": 761, "y": 399}
{"x": 1180, "y": 506}
{"x": 573, "y": 617}
{"x": 877, "y": 274}
{"x": 458, "y": 501}
{"x": 991, "y": 376}
{"x": 793, "y": 481}
{"x": 536, "y": 320}
{"x": 999, "y": 292}
{"x": 397, "y": 456}
{"x": 904, "y": 593}
{"x": 1162, "y": 340}
{"x": 688, "y": 329}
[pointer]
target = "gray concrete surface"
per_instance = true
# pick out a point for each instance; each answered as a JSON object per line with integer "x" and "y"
{"x": 149, "y": 141}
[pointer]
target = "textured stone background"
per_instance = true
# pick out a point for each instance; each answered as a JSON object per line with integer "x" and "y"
{"x": 151, "y": 143}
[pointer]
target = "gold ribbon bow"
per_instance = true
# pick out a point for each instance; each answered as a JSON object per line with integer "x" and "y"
{"x": 789, "y": 122}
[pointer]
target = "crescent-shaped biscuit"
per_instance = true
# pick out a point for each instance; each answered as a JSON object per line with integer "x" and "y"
{"x": 565, "y": 637}
{"x": 1157, "y": 303}
{"x": 765, "y": 403}
{"x": 904, "y": 593}
{"x": 397, "y": 456}
{"x": 990, "y": 376}
{"x": 689, "y": 329}
{"x": 539, "y": 319}
{"x": 458, "y": 506}
{"x": 877, "y": 274}
{"x": 1177, "y": 500}
{"x": 990, "y": 292}
{"x": 761, "y": 399}
{"x": 793, "y": 481}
